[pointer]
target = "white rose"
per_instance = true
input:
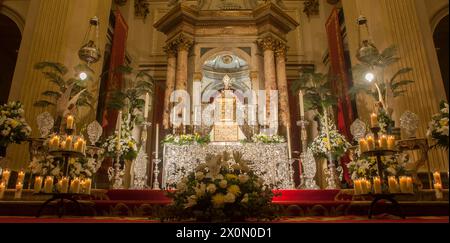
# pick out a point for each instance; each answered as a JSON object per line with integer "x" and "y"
{"x": 243, "y": 178}
{"x": 199, "y": 175}
{"x": 181, "y": 186}
{"x": 218, "y": 177}
{"x": 230, "y": 198}
{"x": 211, "y": 188}
{"x": 223, "y": 183}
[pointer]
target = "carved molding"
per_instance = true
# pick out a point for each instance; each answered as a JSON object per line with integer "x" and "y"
{"x": 311, "y": 7}
{"x": 272, "y": 43}
{"x": 281, "y": 50}
{"x": 182, "y": 42}
{"x": 170, "y": 49}
{"x": 141, "y": 8}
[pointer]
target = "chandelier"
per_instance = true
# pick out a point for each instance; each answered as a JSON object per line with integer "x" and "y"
{"x": 89, "y": 52}
{"x": 366, "y": 47}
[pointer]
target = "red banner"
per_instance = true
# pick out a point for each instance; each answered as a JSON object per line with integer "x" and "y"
{"x": 117, "y": 60}
{"x": 342, "y": 82}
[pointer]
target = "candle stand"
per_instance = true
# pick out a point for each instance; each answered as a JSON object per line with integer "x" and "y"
{"x": 379, "y": 153}
{"x": 307, "y": 164}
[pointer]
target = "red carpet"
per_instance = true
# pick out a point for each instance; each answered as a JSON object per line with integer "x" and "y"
{"x": 342, "y": 219}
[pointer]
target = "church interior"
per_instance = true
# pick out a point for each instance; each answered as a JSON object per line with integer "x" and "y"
{"x": 150, "y": 111}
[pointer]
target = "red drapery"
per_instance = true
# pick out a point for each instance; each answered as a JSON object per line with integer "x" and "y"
{"x": 117, "y": 59}
{"x": 339, "y": 69}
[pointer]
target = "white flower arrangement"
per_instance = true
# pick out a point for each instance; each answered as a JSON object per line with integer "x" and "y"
{"x": 48, "y": 165}
{"x": 186, "y": 139}
{"x": 263, "y": 138}
{"x": 128, "y": 146}
{"x": 438, "y": 126}
{"x": 13, "y": 127}
{"x": 338, "y": 143}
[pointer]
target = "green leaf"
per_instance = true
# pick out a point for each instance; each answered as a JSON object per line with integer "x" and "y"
{"x": 400, "y": 72}
{"x": 43, "y": 103}
{"x": 58, "y": 67}
{"x": 55, "y": 78}
{"x": 398, "y": 93}
{"x": 53, "y": 94}
{"x": 401, "y": 83}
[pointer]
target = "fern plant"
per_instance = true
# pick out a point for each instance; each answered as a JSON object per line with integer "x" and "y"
{"x": 381, "y": 89}
{"x": 138, "y": 84}
{"x": 69, "y": 94}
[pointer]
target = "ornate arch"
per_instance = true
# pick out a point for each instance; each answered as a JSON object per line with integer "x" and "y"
{"x": 14, "y": 16}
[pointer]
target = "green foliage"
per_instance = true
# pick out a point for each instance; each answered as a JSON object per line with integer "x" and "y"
{"x": 317, "y": 92}
{"x": 138, "y": 84}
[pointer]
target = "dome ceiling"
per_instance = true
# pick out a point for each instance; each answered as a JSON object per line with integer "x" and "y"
{"x": 226, "y": 64}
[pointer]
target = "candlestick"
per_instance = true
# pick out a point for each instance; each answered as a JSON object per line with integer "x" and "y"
{"x": 302, "y": 108}
{"x": 18, "y": 192}
{"x": 64, "y": 185}
{"x": 157, "y": 141}
{"x": 69, "y": 122}
{"x": 37, "y": 184}
{"x": 5, "y": 176}
{"x": 75, "y": 185}
{"x": 377, "y": 185}
{"x": 147, "y": 100}
{"x": 437, "y": 177}
{"x": 374, "y": 120}
{"x": 48, "y": 184}
{"x": 2, "y": 190}
{"x": 370, "y": 143}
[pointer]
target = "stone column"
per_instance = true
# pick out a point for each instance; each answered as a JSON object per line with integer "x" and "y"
{"x": 170, "y": 82}
{"x": 285, "y": 117}
{"x": 183, "y": 46}
{"x": 268, "y": 45}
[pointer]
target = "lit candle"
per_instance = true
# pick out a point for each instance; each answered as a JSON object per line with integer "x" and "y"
{"x": 363, "y": 145}
{"x": 20, "y": 176}
{"x": 403, "y": 185}
{"x": 392, "y": 183}
{"x": 77, "y": 146}
{"x": 18, "y": 192}
{"x": 87, "y": 186}
{"x": 2, "y": 190}
{"x": 364, "y": 188}
{"x": 383, "y": 142}
{"x": 302, "y": 107}
{"x": 63, "y": 145}
{"x": 147, "y": 100}
{"x": 5, "y": 176}
{"x": 69, "y": 122}
{"x": 69, "y": 141}
{"x": 157, "y": 141}
{"x": 373, "y": 120}
{"x": 368, "y": 186}
{"x": 438, "y": 190}
{"x": 48, "y": 184}
{"x": 370, "y": 143}
{"x": 409, "y": 184}
{"x": 377, "y": 185}
{"x": 391, "y": 143}
{"x": 289, "y": 142}
{"x": 64, "y": 184}
{"x": 83, "y": 146}
{"x": 358, "y": 187}
{"x": 437, "y": 177}
{"x": 37, "y": 184}
{"x": 75, "y": 185}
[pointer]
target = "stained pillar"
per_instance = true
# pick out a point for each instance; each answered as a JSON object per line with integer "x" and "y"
{"x": 284, "y": 111}
{"x": 183, "y": 46}
{"x": 170, "y": 82}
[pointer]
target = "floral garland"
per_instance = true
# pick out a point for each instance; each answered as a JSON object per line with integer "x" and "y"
{"x": 438, "y": 126}
{"x": 338, "y": 142}
{"x": 13, "y": 127}
{"x": 263, "y": 138}
{"x": 186, "y": 139}
{"x": 219, "y": 190}
{"x": 128, "y": 146}
{"x": 49, "y": 166}
{"x": 366, "y": 167}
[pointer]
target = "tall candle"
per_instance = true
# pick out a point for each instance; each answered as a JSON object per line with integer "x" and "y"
{"x": 327, "y": 129}
{"x": 363, "y": 146}
{"x": 383, "y": 142}
{"x": 289, "y": 142}
{"x": 83, "y": 146}
{"x": 157, "y": 141}
{"x": 358, "y": 187}
{"x": 391, "y": 143}
{"x": 409, "y": 184}
{"x": 302, "y": 107}
{"x": 87, "y": 186}
{"x": 48, "y": 184}
{"x": 377, "y": 185}
{"x": 20, "y": 176}
{"x": 373, "y": 120}
{"x": 119, "y": 129}
{"x": 2, "y": 190}
{"x": 364, "y": 188}
{"x": 403, "y": 185}
{"x": 69, "y": 122}
{"x": 18, "y": 192}
{"x": 437, "y": 177}
{"x": 370, "y": 143}
{"x": 69, "y": 141}
{"x": 37, "y": 184}
{"x": 75, "y": 185}
{"x": 147, "y": 100}
{"x": 64, "y": 184}
{"x": 5, "y": 176}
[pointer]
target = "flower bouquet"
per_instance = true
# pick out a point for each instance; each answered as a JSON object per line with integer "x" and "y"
{"x": 338, "y": 143}
{"x": 219, "y": 190}
{"x": 13, "y": 127}
{"x": 186, "y": 139}
{"x": 438, "y": 127}
{"x": 263, "y": 138}
{"x": 128, "y": 146}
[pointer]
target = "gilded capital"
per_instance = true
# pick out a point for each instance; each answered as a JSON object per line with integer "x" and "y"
{"x": 281, "y": 50}
{"x": 267, "y": 43}
{"x": 170, "y": 49}
{"x": 183, "y": 42}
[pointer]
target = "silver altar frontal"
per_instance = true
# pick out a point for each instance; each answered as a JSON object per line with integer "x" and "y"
{"x": 269, "y": 161}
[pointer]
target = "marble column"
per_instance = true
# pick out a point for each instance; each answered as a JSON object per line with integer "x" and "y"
{"x": 268, "y": 45}
{"x": 183, "y": 46}
{"x": 170, "y": 82}
{"x": 284, "y": 113}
